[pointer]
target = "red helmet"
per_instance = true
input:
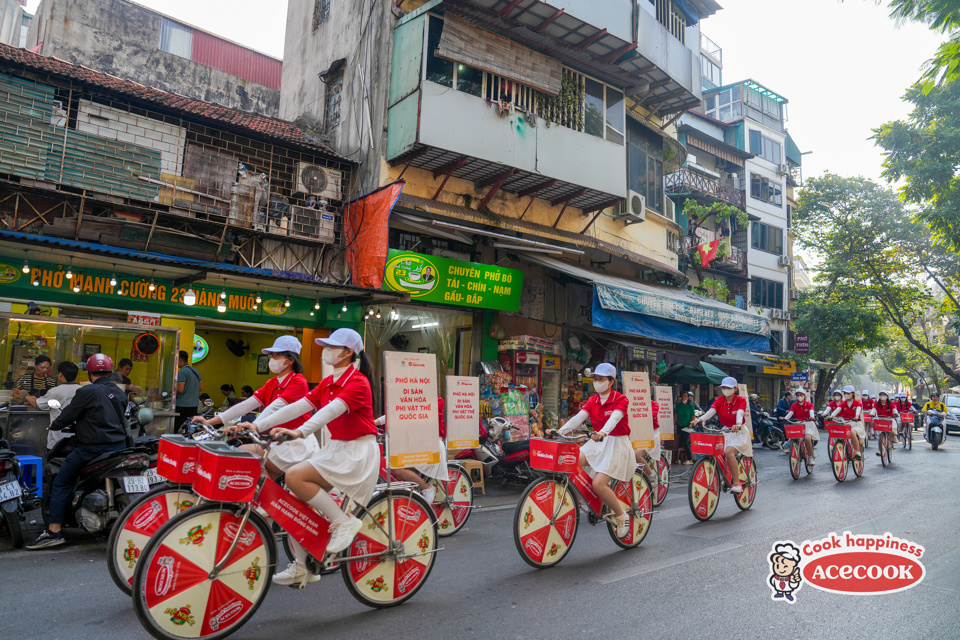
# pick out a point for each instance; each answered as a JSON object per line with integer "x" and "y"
{"x": 99, "y": 363}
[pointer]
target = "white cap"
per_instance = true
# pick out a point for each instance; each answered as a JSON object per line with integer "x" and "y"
{"x": 849, "y": 389}
{"x": 800, "y": 390}
{"x": 343, "y": 338}
{"x": 285, "y": 343}
{"x": 866, "y": 392}
{"x": 605, "y": 369}
{"x": 730, "y": 382}
{"x": 885, "y": 393}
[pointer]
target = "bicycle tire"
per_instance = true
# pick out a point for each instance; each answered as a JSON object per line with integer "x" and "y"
{"x": 414, "y": 527}
{"x": 140, "y": 520}
{"x": 452, "y": 514}
{"x": 747, "y": 470}
{"x": 859, "y": 464}
{"x": 12, "y": 521}
{"x": 663, "y": 479}
{"x": 910, "y": 440}
{"x": 641, "y": 515}
{"x": 703, "y": 493}
{"x": 795, "y": 458}
{"x": 172, "y": 589}
{"x": 541, "y": 544}
{"x": 838, "y": 460}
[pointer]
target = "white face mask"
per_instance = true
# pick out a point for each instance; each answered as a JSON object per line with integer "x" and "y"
{"x": 848, "y": 396}
{"x": 332, "y": 355}
{"x": 277, "y": 366}
{"x": 601, "y": 387}
{"x": 728, "y": 392}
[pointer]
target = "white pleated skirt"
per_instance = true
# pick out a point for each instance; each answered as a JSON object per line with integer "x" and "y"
{"x": 810, "y": 429}
{"x": 285, "y": 455}
{"x": 858, "y": 429}
{"x": 612, "y": 456}
{"x": 437, "y": 471}
{"x": 655, "y": 453}
{"x": 351, "y": 466}
{"x": 739, "y": 441}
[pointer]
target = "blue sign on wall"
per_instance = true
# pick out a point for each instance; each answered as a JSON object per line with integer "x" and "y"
{"x": 799, "y": 377}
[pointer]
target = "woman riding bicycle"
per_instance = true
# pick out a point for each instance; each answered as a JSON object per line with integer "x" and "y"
{"x": 288, "y": 387}
{"x": 885, "y": 409}
{"x": 804, "y": 411}
{"x": 437, "y": 471}
{"x": 608, "y": 452}
{"x": 350, "y": 460}
{"x": 852, "y": 411}
{"x": 833, "y": 404}
{"x": 731, "y": 410}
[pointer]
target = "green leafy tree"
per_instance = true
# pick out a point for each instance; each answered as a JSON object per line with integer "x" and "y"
{"x": 942, "y": 16}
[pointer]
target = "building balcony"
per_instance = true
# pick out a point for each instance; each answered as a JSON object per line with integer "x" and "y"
{"x": 685, "y": 182}
{"x": 735, "y": 262}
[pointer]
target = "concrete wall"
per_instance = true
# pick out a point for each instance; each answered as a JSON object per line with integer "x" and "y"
{"x": 307, "y": 53}
{"x": 122, "y": 39}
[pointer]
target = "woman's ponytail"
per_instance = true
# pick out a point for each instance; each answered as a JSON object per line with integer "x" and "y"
{"x": 366, "y": 367}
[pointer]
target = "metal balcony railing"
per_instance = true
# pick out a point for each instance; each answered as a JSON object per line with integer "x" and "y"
{"x": 684, "y": 180}
{"x": 736, "y": 261}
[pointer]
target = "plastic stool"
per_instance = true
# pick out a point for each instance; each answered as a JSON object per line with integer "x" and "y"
{"x": 33, "y": 464}
{"x": 474, "y": 465}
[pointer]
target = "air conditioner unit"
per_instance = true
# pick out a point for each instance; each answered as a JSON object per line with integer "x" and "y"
{"x": 319, "y": 181}
{"x": 794, "y": 294}
{"x": 670, "y": 209}
{"x": 734, "y": 179}
{"x": 783, "y": 261}
{"x": 783, "y": 169}
{"x": 633, "y": 209}
{"x": 776, "y": 314}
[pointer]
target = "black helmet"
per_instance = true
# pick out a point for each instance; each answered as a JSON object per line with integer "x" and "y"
{"x": 935, "y": 393}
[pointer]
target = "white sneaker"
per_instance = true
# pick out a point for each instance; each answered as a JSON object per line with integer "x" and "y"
{"x": 623, "y": 526}
{"x": 429, "y": 494}
{"x": 342, "y": 534}
{"x": 294, "y": 574}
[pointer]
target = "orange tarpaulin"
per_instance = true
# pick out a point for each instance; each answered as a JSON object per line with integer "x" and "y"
{"x": 366, "y": 226}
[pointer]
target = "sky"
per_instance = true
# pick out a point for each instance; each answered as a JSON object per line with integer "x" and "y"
{"x": 842, "y": 65}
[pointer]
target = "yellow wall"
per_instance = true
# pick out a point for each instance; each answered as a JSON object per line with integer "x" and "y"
{"x": 221, "y": 366}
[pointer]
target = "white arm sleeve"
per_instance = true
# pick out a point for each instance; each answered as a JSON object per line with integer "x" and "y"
{"x": 709, "y": 414}
{"x": 382, "y": 420}
{"x": 740, "y": 416}
{"x": 612, "y": 423}
{"x": 787, "y": 417}
{"x": 859, "y": 409}
{"x": 835, "y": 412}
{"x": 286, "y": 414}
{"x": 574, "y": 422}
{"x": 238, "y": 410}
{"x": 270, "y": 409}
{"x": 321, "y": 418}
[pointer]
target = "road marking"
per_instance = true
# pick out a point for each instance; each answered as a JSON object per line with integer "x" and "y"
{"x": 944, "y": 572}
{"x": 739, "y": 522}
{"x": 633, "y": 572}
{"x": 502, "y": 507}
{"x": 879, "y": 526}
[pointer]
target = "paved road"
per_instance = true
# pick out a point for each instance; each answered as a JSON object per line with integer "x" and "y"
{"x": 686, "y": 580}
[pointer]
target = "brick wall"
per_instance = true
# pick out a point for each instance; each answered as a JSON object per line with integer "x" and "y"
{"x": 123, "y": 126}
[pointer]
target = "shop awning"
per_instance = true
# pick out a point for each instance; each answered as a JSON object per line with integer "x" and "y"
{"x": 705, "y": 373}
{"x": 664, "y": 313}
{"x": 739, "y": 357}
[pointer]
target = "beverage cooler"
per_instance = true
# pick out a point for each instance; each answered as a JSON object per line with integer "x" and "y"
{"x": 523, "y": 367}
{"x": 550, "y": 383}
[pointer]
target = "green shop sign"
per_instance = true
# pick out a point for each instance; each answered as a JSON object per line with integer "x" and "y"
{"x": 446, "y": 281}
{"x": 92, "y": 288}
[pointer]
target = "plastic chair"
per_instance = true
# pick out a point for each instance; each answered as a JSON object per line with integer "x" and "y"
{"x": 34, "y": 465}
{"x": 474, "y": 465}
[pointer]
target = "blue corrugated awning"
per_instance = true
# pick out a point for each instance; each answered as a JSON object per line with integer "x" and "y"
{"x": 673, "y": 331}
{"x": 691, "y": 16}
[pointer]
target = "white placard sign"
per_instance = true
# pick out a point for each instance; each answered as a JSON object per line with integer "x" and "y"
{"x": 636, "y": 386}
{"x": 665, "y": 415}
{"x": 742, "y": 388}
{"x": 462, "y": 409}
{"x": 413, "y": 418}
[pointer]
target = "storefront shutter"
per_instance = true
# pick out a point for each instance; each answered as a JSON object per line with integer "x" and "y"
{"x": 465, "y": 43}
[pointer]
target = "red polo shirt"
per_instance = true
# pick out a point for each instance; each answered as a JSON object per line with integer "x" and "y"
{"x": 848, "y": 410}
{"x": 353, "y": 389}
{"x": 294, "y": 387}
{"x": 601, "y": 412}
{"x": 656, "y": 412}
{"x": 727, "y": 411}
{"x": 803, "y": 411}
{"x": 867, "y": 404}
{"x": 888, "y": 410}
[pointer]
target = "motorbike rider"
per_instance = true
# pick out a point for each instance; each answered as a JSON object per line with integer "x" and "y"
{"x": 883, "y": 408}
{"x": 851, "y": 409}
{"x": 804, "y": 411}
{"x": 608, "y": 452}
{"x": 97, "y": 409}
{"x": 784, "y": 405}
{"x": 933, "y": 404}
{"x": 730, "y": 409}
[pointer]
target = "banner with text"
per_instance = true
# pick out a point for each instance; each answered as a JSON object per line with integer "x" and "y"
{"x": 665, "y": 416}
{"x": 636, "y": 386}
{"x": 462, "y": 407}
{"x": 413, "y": 418}
{"x": 742, "y": 390}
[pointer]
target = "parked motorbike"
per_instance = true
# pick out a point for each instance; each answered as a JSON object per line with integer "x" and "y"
{"x": 503, "y": 460}
{"x": 935, "y": 428}
{"x": 15, "y": 499}
{"x": 105, "y": 485}
{"x": 767, "y": 432}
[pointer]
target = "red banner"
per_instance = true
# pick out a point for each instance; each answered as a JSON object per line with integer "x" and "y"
{"x": 366, "y": 230}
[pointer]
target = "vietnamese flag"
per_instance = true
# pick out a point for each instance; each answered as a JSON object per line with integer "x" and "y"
{"x": 708, "y": 252}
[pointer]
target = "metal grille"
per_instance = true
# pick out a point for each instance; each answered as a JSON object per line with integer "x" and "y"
{"x": 333, "y": 100}
{"x": 321, "y": 11}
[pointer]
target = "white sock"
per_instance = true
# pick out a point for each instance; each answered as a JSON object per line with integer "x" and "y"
{"x": 299, "y": 553}
{"x": 326, "y": 505}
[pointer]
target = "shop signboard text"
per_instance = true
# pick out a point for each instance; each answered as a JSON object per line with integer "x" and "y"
{"x": 445, "y": 281}
{"x": 665, "y": 415}
{"x": 636, "y": 386}
{"x": 413, "y": 417}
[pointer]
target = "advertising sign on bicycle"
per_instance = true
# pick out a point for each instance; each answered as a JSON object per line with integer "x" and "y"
{"x": 413, "y": 418}
{"x": 665, "y": 416}
{"x": 636, "y": 386}
{"x": 297, "y": 517}
{"x": 742, "y": 390}
{"x": 462, "y": 408}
